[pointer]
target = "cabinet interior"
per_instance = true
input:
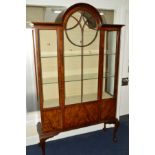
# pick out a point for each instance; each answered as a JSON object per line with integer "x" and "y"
{"x": 79, "y": 87}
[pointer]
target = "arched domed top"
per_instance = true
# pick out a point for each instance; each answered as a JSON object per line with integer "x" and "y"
{"x": 90, "y": 13}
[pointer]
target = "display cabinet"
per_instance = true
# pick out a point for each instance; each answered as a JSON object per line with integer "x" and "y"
{"x": 76, "y": 68}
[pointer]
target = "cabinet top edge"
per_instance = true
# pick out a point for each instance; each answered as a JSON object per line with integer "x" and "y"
{"x": 36, "y": 24}
{"x": 112, "y": 25}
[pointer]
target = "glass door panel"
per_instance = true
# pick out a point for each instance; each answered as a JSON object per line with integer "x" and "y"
{"x": 110, "y": 42}
{"x": 90, "y": 90}
{"x": 72, "y": 68}
{"x": 90, "y": 67}
{"x": 72, "y": 79}
{"x": 49, "y": 70}
{"x": 90, "y": 71}
{"x": 81, "y": 51}
{"x": 51, "y": 95}
{"x": 109, "y": 64}
{"x": 48, "y": 43}
{"x": 108, "y": 87}
{"x": 49, "y": 67}
{"x": 72, "y": 92}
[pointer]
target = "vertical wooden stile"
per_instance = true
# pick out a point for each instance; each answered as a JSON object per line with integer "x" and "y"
{"x": 100, "y": 68}
{"x": 61, "y": 71}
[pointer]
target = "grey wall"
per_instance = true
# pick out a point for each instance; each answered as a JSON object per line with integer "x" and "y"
{"x": 31, "y": 101}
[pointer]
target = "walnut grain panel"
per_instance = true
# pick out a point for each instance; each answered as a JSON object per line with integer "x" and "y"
{"x": 108, "y": 109}
{"x": 52, "y": 120}
{"x": 81, "y": 115}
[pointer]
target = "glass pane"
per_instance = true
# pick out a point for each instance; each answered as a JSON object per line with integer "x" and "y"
{"x": 72, "y": 61}
{"x": 49, "y": 66}
{"x": 72, "y": 92}
{"x": 72, "y": 68}
{"x": 48, "y": 43}
{"x": 90, "y": 66}
{"x": 73, "y": 30}
{"x": 108, "y": 87}
{"x": 109, "y": 64}
{"x": 51, "y": 95}
{"x": 90, "y": 89}
{"x": 90, "y": 77}
{"x": 110, "y": 42}
{"x": 49, "y": 70}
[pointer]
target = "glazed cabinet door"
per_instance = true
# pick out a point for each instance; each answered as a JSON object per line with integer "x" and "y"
{"x": 110, "y": 72}
{"x": 49, "y": 68}
{"x": 48, "y": 78}
{"x": 110, "y": 67}
{"x": 81, "y": 58}
{"x": 81, "y": 69}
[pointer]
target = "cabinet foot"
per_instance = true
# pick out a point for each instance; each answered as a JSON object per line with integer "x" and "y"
{"x": 42, "y": 145}
{"x": 104, "y": 129}
{"x": 116, "y": 123}
{"x": 43, "y": 137}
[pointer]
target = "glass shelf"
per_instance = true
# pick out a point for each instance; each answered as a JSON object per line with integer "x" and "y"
{"x": 74, "y": 99}
{"x": 106, "y": 95}
{"x": 86, "y": 97}
{"x": 78, "y": 77}
{"x": 47, "y": 89}
{"x": 107, "y": 75}
{"x": 71, "y": 78}
{"x": 74, "y": 53}
{"x": 51, "y": 103}
{"x": 110, "y": 52}
{"x": 70, "y": 53}
{"x": 50, "y": 80}
{"x": 48, "y": 54}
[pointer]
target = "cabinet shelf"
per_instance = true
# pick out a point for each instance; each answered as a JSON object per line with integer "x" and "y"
{"x": 71, "y": 78}
{"x": 76, "y": 53}
{"x": 74, "y": 99}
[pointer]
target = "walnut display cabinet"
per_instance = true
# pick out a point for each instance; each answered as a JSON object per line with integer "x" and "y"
{"x": 76, "y": 68}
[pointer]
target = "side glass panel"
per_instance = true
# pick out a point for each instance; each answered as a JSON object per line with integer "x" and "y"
{"x": 81, "y": 51}
{"x": 109, "y": 64}
{"x": 49, "y": 67}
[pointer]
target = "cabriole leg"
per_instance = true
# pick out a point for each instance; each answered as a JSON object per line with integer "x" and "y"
{"x": 104, "y": 129}
{"x": 117, "y": 124}
{"x": 42, "y": 145}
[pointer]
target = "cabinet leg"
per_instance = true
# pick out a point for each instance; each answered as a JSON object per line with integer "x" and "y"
{"x": 42, "y": 145}
{"x": 104, "y": 129}
{"x": 117, "y": 124}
